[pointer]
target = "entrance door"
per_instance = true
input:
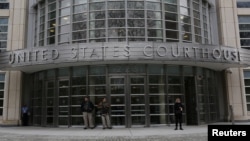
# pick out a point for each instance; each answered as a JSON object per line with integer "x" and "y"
{"x": 127, "y": 96}
{"x": 191, "y": 103}
{"x": 136, "y": 102}
{"x": 49, "y": 119}
{"x": 118, "y": 92}
{"x": 63, "y": 102}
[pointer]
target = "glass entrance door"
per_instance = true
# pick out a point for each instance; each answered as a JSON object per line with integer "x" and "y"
{"x": 63, "y": 102}
{"x": 127, "y": 96}
{"x": 118, "y": 98}
{"x": 137, "y": 98}
{"x": 49, "y": 119}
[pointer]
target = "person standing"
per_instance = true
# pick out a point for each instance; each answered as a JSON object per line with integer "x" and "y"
{"x": 87, "y": 107}
{"x": 104, "y": 107}
{"x": 178, "y": 109}
{"x": 25, "y": 115}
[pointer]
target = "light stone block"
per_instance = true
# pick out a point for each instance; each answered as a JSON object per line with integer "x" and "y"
{"x": 231, "y": 30}
{"x": 237, "y": 95}
{"x": 237, "y": 109}
{"x": 16, "y": 32}
{"x": 229, "y": 14}
{"x": 4, "y": 13}
{"x": 15, "y": 45}
{"x": 228, "y": 3}
{"x": 243, "y": 11}
{"x": 17, "y": 16}
{"x": 232, "y": 42}
{"x": 18, "y": 4}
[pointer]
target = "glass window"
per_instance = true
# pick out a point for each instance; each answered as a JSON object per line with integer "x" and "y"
{"x": 76, "y": 2}
{"x": 153, "y": 6}
{"x": 2, "y": 82}
{"x": 80, "y": 8}
{"x": 172, "y": 34}
{"x": 117, "y": 32}
{"x": 4, "y": 5}
{"x": 116, "y": 23}
{"x": 3, "y": 33}
{"x": 247, "y": 87}
{"x": 135, "y": 5}
{"x": 244, "y": 26}
{"x": 97, "y": 6}
{"x": 116, "y": 5}
{"x": 243, "y": 4}
{"x": 64, "y": 3}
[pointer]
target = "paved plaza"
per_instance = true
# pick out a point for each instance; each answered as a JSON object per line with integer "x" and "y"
{"x": 162, "y": 133}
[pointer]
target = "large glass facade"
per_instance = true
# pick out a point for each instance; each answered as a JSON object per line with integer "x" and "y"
{"x": 80, "y": 21}
{"x": 140, "y": 94}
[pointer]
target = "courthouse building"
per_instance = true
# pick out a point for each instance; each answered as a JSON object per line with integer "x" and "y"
{"x": 140, "y": 54}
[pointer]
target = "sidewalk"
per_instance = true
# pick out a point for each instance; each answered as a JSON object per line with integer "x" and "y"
{"x": 162, "y": 133}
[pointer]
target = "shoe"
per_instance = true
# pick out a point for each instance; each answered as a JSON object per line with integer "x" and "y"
{"x": 176, "y": 128}
{"x": 109, "y": 127}
{"x": 85, "y": 128}
{"x": 181, "y": 129}
{"x": 92, "y": 127}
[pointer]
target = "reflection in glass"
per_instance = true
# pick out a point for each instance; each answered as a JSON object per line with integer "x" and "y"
{"x": 135, "y": 5}
{"x": 157, "y": 99}
{"x": 80, "y": 17}
{"x": 135, "y": 14}
{"x": 97, "y": 90}
{"x": 116, "y": 14}
{"x": 116, "y": 23}
{"x": 97, "y": 15}
{"x": 63, "y": 91}
{"x": 138, "y": 120}
{"x": 97, "y": 24}
{"x": 65, "y": 20}
{"x": 63, "y": 101}
{"x": 97, "y": 33}
{"x": 76, "y": 120}
{"x": 117, "y": 89}
{"x": 159, "y": 119}
{"x": 116, "y": 5}
{"x": 137, "y": 110}
{"x": 172, "y": 34}
{"x": 63, "y": 121}
{"x": 156, "y": 89}
{"x": 171, "y": 16}
{"x": 174, "y": 89}
{"x": 79, "y": 35}
{"x": 117, "y": 100}
{"x": 136, "y": 23}
{"x": 97, "y": 6}
{"x": 117, "y": 32}
{"x": 137, "y": 99}
{"x": 80, "y": 8}
{"x": 137, "y": 89}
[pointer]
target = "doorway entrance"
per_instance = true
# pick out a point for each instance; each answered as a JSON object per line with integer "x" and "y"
{"x": 128, "y": 98}
{"x": 191, "y": 101}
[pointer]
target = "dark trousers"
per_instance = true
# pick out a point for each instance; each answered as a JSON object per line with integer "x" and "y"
{"x": 25, "y": 119}
{"x": 178, "y": 120}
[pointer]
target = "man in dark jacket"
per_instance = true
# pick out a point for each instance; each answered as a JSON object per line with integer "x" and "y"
{"x": 178, "y": 108}
{"x": 87, "y": 107}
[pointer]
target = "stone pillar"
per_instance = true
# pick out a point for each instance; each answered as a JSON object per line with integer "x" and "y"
{"x": 229, "y": 36}
{"x": 12, "y": 98}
